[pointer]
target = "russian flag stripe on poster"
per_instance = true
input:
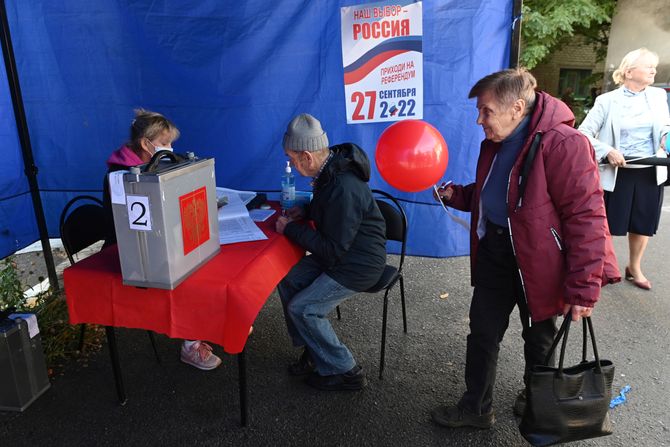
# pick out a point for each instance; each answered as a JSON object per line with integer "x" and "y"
{"x": 382, "y": 56}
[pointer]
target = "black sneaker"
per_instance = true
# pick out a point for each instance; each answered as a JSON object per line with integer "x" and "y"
{"x": 454, "y": 417}
{"x": 304, "y": 365}
{"x": 352, "y": 380}
{"x": 519, "y": 403}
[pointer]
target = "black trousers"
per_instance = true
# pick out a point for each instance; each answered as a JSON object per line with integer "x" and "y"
{"x": 497, "y": 290}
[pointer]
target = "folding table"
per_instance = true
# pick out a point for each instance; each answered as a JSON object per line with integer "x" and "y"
{"x": 217, "y": 303}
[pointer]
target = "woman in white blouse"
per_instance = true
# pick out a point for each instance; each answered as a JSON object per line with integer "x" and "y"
{"x": 631, "y": 121}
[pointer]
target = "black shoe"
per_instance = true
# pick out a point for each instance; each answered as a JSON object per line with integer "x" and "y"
{"x": 304, "y": 365}
{"x": 352, "y": 380}
{"x": 454, "y": 417}
{"x": 519, "y": 403}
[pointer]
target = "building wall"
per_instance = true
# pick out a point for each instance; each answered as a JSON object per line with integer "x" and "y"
{"x": 577, "y": 55}
{"x": 640, "y": 23}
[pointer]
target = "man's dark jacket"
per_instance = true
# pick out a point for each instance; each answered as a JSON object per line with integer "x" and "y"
{"x": 349, "y": 234}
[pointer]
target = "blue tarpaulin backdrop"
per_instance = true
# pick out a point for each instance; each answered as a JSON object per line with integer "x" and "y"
{"x": 230, "y": 74}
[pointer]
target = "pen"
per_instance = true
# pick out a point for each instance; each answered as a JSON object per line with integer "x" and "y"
{"x": 445, "y": 184}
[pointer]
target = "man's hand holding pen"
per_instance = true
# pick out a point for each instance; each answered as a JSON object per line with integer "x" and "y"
{"x": 295, "y": 213}
{"x": 281, "y": 224}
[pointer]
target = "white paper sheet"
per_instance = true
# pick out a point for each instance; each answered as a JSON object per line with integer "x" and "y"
{"x": 245, "y": 196}
{"x": 31, "y": 320}
{"x": 239, "y": 229}
{"x": 234, "y": 208}
{"x": 235, "y": 224}
{"x": 116, "y": 191}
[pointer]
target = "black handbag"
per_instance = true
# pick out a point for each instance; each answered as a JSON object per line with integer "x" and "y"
{"x": 568, "y": 404}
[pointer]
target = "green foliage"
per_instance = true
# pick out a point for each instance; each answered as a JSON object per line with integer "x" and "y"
{"x": 60, "y": 339}
{"x": 11, "y": 292}
{"x": 580, "y": 109}
{"x": 548, "y": 24}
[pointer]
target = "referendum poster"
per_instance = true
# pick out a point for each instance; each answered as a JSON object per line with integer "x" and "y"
{"x": 383, "y": 61}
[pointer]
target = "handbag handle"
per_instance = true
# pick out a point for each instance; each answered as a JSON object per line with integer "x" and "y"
{"x": 155, "y": 159}
{"x": 584, "y": 340}
{"x": 563, "y": 334}
{"x": 527, "y": 164}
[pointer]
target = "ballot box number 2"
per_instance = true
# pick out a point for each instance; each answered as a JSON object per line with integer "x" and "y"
{"x": 139, "y": 213}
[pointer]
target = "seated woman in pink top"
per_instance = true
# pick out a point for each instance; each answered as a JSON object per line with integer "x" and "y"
{"x": 151, "y": 132}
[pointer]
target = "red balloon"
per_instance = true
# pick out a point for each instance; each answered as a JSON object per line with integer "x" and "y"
{"x": 411, "y": 155}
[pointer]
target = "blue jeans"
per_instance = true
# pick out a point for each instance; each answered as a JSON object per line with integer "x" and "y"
{"x": 308, "y": 295}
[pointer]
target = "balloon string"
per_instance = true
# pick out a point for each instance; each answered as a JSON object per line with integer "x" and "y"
{"x": 453, "y": 217}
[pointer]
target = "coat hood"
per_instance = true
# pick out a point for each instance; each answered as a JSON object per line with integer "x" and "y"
{"x": 548, "y": 113}
{"x": 347, "y": 157}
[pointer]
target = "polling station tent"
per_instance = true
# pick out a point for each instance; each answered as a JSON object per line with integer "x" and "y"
{"x": 230, "y": 74}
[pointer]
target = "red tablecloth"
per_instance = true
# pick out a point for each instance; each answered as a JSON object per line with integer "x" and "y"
{"x": 217, "y": 303}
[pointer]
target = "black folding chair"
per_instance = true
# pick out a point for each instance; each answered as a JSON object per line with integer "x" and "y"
{"x": 396, "y": 230}
{"x": 81, "y": 228}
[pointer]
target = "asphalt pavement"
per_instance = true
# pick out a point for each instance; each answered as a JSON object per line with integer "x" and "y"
{"x": 175, "y": 404}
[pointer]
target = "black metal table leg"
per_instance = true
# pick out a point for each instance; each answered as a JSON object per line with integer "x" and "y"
{"x": 242, "y": 366}
{"x": 153, "y": 345}
{"x": 116, "y": 367}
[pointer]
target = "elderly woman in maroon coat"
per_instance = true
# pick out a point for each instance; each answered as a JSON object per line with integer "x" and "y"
{"x": 539, "y": 240}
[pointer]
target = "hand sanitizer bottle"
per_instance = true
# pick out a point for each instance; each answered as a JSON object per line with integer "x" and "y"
{"x": 287, "y": 189}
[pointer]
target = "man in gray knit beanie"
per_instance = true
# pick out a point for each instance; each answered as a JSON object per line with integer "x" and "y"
{"x": 347, "y": 246}
{"x": 306, "y": 145}
{"x": 304, "y": 133}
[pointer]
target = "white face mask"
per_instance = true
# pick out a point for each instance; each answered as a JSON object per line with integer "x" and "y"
{"x": 159, "y": 148}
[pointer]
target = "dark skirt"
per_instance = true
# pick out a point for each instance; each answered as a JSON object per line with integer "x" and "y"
{"x": 635, "y": 204}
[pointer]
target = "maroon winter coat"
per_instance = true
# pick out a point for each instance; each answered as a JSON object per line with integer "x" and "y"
{"x": 560, "y": 235}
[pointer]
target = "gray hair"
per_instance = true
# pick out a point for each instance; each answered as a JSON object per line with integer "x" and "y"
{"x": 508, "y": 86}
